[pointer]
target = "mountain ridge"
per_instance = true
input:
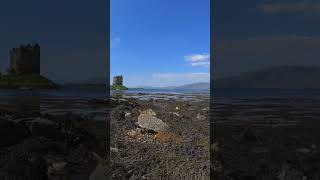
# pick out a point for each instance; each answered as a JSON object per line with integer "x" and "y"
{"x": 281, "y": 77}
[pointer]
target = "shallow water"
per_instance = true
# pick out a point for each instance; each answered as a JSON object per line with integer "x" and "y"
{"x": 65, "y": 100}
{"x": 264, "y": 108}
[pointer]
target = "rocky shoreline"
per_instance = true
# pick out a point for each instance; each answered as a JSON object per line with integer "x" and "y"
{"x": 37, "y": 145}
{"x": 266, "y": 139}
{"x": 159, "y": 139}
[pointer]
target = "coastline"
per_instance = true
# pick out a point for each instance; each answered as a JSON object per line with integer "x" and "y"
{"x": 179, "y": 152}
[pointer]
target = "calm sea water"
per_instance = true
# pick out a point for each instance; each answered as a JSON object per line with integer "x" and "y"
{"x": 265, "y": 93}
{"x": 70, "y": 98}
{"x": 264, "y": 107}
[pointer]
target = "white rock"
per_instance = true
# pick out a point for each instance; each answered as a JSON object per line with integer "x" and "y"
{"x": 147, "y": 120}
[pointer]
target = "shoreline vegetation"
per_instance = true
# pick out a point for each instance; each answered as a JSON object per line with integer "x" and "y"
{"x": 119, "y": 87}
{"x": 159, "y": 138}
{"x": 34, "y": 81}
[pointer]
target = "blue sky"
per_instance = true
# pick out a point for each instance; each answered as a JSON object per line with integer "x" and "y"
{"x": 160, "y": 42}
{"x": 250, "y": 35}
{"x": 72, "y": 35}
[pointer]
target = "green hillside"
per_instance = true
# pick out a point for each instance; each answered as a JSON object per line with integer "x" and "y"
{"x": 26, "y": 80}
{"x": 117, "y": 87}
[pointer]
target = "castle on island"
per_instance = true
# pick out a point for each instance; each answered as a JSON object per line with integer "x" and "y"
{"x": 25, "y": 59}
{"x": 117, "y": 81}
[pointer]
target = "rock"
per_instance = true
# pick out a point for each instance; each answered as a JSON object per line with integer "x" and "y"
{"x": 115, "y": 150}
{"x": 19, "y": 167}
{"x": 177, "y": 108}
{"x": 149, "y": 112}
{"x": 58, "y": 171}
{"x": 164, "y": 137}
{"x": 289, "y": 173}
{"x": 248, "y": 135}
{"x": 303, "y": 150}
{"x": 147, "y": 120}
{"x": 201, "y": 117}
{"x": 99, "y": 173}
{"x": 118, "y": 112}
{"x": 12, "y": 133}
{"x": 215, "y": 147}
{"x": 127, "y": 115}
{"x": 134, "y": 133}
{"x": 176, "y": 114}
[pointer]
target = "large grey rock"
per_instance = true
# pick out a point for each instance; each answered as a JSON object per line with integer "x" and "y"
{"x": 100, "y": 173}
{"x": 147, "y": 120}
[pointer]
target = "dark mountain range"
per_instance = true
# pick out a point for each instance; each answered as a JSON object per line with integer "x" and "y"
{"x": 284, "y": 77}
{"x": 196, "y": 86}
{"x": 192, "y": 86}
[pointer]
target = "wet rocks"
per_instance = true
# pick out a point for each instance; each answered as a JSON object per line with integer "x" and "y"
{"x": 100, "y": 173}
{"x": 290, "y": 173}
{"x": 157, "y": 141}
{"x": 12, "y": 133}
{"x": 18, "y": 167}
{"x": 134, "y": 133}
{"x": 147, "y": 120}
{"x": 30, "y": 146}
{"x": 303, "y": 150}
{"x": 201, "y": 117}
{"x": 164, "y": 137}
{"x": 58, "y": 171}
{"x": 127, "y": 115}
{"x": 247, "y": 135}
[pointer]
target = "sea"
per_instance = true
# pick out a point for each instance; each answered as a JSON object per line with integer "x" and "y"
{"x": 264, "y": 107}
{"x": 77, "y": 99}
{"x": 267, "y": 107}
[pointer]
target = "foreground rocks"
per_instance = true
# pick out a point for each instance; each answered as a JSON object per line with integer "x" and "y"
{"x": 148, "y": 120}
{"x": 49, "y": 147}
{"x": 156, "y": 140}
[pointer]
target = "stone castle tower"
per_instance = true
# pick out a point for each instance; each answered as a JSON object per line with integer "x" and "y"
{"x": 25, "y": 59}
{"x": 117, "y": 81}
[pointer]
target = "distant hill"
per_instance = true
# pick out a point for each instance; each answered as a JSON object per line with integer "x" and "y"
{"x": 284, "y": 77}
{"x": 195, "y": 86}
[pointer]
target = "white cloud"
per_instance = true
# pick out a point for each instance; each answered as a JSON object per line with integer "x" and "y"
{"x": 114, "y": 41}
{"x": 205, "y": 63}
{"x": 198, "y": 59}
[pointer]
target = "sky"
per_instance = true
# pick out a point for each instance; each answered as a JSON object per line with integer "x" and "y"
{"x": 160, "y": 42}
{"x": 251, "y": 35}
{"x": 72, "y": 35}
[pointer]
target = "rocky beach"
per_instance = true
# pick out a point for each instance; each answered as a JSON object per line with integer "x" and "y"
{"x": 265, "y": 138}
{"x": 52, "y": 138}
{"x": 159, "y": 136}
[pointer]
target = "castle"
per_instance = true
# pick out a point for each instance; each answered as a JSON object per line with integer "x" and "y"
{"x": 117, "y": 81}
{"x": 25, "y": 59}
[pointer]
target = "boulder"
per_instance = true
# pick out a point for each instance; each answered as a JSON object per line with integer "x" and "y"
{"x": 100, "y": 173}
{"x": 12, "y": 133}
{"x": 148, "y": 121}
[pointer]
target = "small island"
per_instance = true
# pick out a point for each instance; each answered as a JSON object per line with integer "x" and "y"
{"x": 24, "y": 71}
{"x": 28, "y": 81}
{"x": 118, "y": 84}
